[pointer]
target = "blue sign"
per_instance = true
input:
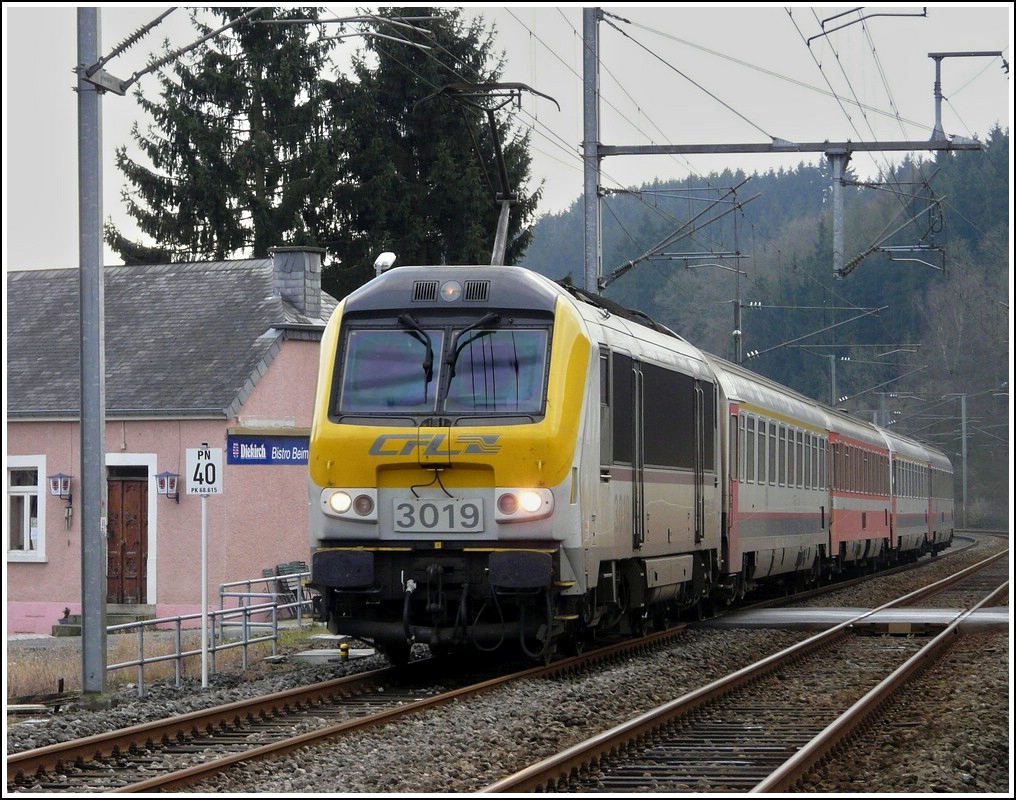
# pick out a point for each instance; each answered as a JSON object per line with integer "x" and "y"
{"x": 260, "y": 450}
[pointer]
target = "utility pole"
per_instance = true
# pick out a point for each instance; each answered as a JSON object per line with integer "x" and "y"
{"x": 963, "y": 452}
{"x": 93, "y": 371}
{"x": 591, "y": 145}
{"x": 832, "y": 381}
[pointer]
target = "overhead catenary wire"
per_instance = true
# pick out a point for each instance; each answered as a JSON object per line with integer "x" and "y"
{"x": 689, "y": 79}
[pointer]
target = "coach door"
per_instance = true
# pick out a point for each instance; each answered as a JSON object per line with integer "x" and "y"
{"x": 126, "y": 538}
{"x": 702, "y": 442}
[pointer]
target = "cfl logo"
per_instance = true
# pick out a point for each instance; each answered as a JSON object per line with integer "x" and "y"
{"x": 436, "y": 444}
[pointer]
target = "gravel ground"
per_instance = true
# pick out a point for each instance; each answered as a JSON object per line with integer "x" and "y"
{"x": 952, "y": 735}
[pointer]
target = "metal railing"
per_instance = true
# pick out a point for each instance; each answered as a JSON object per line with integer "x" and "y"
{"x": 248, "y": 623}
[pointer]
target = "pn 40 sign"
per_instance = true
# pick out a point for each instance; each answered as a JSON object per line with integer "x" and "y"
{"x": 204, "y": 471}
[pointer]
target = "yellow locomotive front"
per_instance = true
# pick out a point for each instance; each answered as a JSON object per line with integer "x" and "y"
{"x": 443, "y": 457}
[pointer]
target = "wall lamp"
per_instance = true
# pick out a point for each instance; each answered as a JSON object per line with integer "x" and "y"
{"x": 168, "y": 483}
{"x": 60, "y": 486}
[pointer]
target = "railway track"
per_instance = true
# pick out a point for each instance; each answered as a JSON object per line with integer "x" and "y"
{"x": 763, "y": 727}
{"x": 187, "y": 750}
{"x": 180, "y": 751}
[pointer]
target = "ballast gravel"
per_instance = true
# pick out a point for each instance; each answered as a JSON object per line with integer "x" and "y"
{"x": 949, "y": 735}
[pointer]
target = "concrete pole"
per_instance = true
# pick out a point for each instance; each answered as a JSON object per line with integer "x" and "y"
{"x": 963, "y": 431}
{"x": 93, "y": 370}
{"x": 832, "y": 381}
{"x": 838, "y": 160}
{"x": 591, "y": 144}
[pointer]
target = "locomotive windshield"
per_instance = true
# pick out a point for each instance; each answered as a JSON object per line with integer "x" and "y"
{"x": 498, "y": 371}
{"x": 486, "y": 370}
{"x": 386, "y": 371}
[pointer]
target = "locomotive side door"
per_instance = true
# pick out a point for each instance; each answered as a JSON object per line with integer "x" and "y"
{"x": 621, "y": 451}
{"x": 639, "y": 457}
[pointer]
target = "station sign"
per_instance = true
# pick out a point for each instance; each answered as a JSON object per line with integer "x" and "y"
{"x": 262, "y": 450}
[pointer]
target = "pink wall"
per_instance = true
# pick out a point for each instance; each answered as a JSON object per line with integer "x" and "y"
{"x": 258, "y": 521}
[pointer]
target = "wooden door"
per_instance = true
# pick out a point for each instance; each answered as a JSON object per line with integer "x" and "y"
{"x": 126, "y": 541}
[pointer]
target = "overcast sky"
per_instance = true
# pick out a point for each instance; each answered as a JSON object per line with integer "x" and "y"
{"x": 712, "y": 74}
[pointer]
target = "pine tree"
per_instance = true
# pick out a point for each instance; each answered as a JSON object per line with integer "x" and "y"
{"x": 411, "y": 181}
{"x": 239, "y": 157}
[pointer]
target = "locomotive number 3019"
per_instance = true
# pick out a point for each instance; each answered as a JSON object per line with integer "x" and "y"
{"x": 447, "y": 515}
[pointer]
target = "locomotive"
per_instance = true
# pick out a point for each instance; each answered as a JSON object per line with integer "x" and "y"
{"x": 500, "y": 459}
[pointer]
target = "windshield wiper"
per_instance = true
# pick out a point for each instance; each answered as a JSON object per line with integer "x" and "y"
{"x": 423, "y": 337}
{"x": 452, "y": 356}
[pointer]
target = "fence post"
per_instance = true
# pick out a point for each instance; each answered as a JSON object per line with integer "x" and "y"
{"x": 214, "y": 649}
{"x": 141, "y": 662}
{"x": 246, "y": 633}
{"x": 178, "y": 661}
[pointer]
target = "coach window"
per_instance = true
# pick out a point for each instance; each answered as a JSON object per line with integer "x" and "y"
{"x": 708, "y": 394}
{"x": 742, "y": 445}
{"x": 815, "y": 444}
{"x": 781, "y": 456}
{"x": 750, "y": 456}
{"x": 807, "y": 460}
{"x": 799, "y": 461}
{"x": 822, "y": 454}
{"x": 791, "y": 459}
{"x": 739, "y": 475}
{"x": 774, "y": 451}
{"x": 815, "y": 455}
{"x": 761, "y": 451}
{"x": 25, "y": 509}
{"x": 788, "y": 455}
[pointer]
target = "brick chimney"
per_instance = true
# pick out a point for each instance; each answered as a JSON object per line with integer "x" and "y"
{"x": 297, "y": 277}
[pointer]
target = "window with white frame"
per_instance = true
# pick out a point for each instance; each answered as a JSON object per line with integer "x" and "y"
{"x": 25, "y": 501}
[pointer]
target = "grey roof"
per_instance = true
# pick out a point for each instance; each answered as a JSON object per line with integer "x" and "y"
{"x": 180, "y": 339}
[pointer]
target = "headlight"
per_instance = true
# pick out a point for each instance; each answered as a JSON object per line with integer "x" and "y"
{"x": 340, "y": 502}
{"x": 530, "y": 501}
{"x": 517, "y": 505}
{"x": 352, "y": 504}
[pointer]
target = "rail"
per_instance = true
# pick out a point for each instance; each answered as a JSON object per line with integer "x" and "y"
{"x": 240, "y": 627}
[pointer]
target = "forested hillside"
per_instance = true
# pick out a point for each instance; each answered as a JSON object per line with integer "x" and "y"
{"x": 913, "y": 334}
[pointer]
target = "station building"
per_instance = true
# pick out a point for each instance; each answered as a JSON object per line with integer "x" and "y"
{"x": 217, "y": 353}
